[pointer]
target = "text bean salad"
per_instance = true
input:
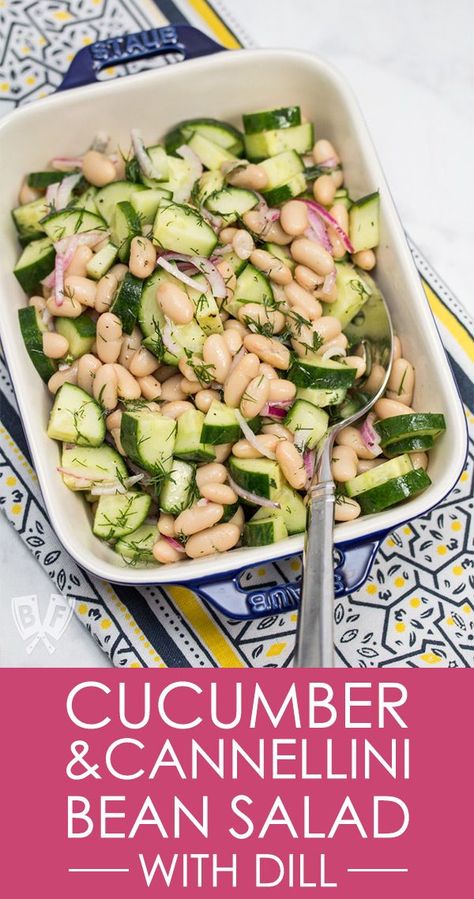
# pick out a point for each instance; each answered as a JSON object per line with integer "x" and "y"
{"x": 187, "y": 309}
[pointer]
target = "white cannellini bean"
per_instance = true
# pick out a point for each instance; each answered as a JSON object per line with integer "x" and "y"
{"x": 97, "y": 168}
{"x": 291, "y": 463}
{"x": 218, "y": 539}
{"x": 87, "y": 368}
{"x": 211, "y": 473}
{"x": 198, "y": 518}
{"x": 142, "y": 257}
{"x": 55, "y": 346}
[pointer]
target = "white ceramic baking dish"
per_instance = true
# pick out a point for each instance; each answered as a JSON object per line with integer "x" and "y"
{"x": 222, "y": 85}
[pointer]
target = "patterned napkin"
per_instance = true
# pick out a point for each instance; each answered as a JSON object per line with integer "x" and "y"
{"x": 415, "y": 610}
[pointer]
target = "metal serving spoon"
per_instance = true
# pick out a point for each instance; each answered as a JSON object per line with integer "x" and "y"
{"x": 370, "y": 335}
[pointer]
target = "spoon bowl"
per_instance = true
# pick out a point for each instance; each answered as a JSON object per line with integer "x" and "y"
{"x": 370, "y": 336}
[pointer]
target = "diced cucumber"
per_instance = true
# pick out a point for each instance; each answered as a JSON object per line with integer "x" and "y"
{"x": 259, "y": 476}
{"x": 108, "y": 196}
{"x": 137, "y": 547}
{"x": 148, "y": 439}
{"x": 209, "y": 183}
{"x": 127, "y": 301}
{"x": 292, "y": 509}
{"x": 189, "y": 337}
{"x": 364, "y": 215}
{"x": 395, "y": 468}
{"x": 101, "y": 261}
{"x": 269, "y": 143}
{"x": 263, "y": 531}
{"x": 76, "y": 418}
{"x": 206, "y": 310}
{"x": 293, "y": 188}
{"x": 188, "y": 444}
{"x": 281, "y": 168}
{"x": 42, "y": 180}
{"x": 236, "y": 263}
{"x": 415, "y": 424}
{"x": 353, "y": 290}
{"x": 28, "y": 219}
{"x": 32, "y": 331}
{"x": 220, "y": 425}
{"x": 72, "y": 221}
{"x": 146, "y": 202}
{"x": 150, "y": 315}
{"x": 394, "y": 491}
{"x": 79, "y": 332}
{"x": 182, "y": 229}
{"x": 179, "y": 488}
{"x": 280, "y": 253}
{"x": 220, "y": 133}
{"x": 120, "y": 514}
{"x": 211, "y": 155}
{"x": 180, "y": 173}
{"x": 229, "y": 512}
{"x": 271, "y": 119}
{"x": 124, "y": 226}
{"x": 307, "y": 422}
{"x": 231, "y": 203}
{"x": 409, "y": 445}
{"x": 252, "y": 287}
{"x": 35, "y": 263}
{"x": 89, "y": 465}
{"x": 321, "y": 397}
{"x": 342, "y": 198}
{"x": 322, "y": 373}
{"x": 86, "y": 200}
{"x": 160, "y": 162}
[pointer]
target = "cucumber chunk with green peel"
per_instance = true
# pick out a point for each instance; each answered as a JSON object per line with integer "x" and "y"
{"x": 149, "y": 439}
{"x": 101, "y": 261}
{"x": 35, "y": 263}
{"x": 178, "y": 490}
{"x": 409, "y": 445}
{"x": 395, "y": 468}
{"x": 261, "y": 477}
{"x": 280, "y": 253}
{"x": 231, "y": 203}
{"x": 263, "y": 531}
{"x": 76, "y": 418}
{"x": 42, "y": 180}
{"x": 284, "y": 192}
{"x": 160, "y": 162}
{"x": 121, "y": 514}
{"x": 220, "y": 425}
{"x": 269, "y": 143}
{"x": 206, "y": 310}
{"x": 72, "y": 221}
{"x": 116, "y": 192}
{"x": 126, "y": 303}
{"x": 321, "y": 397}
{"x": 308, "y": 423}
{"x": 32, "y": 330}
{"x": 292, "y": 508}
{"x": 281, "y": 168}
{"x": 150, "y": 314}
{"x": 146, "y": 202}
{"x": 86, "y": 200}
{"x": 354, "y": 288}
{"x": 28, "y": 219}
{"x": 326, "y": 374}
{"x": 125, "y": 225}
{"x": 394, "y": 491}
{"x": 404, "y": 427}
{"x": 271, "y": 119}
{"x": 183, "y": 230}
{"x": 82, "y": 466}
{"x": 209, "y": 183}
{"x": 188, "y": 444}
{"x": 79, "y": 332}
{"x": 252, "y": 287}
{"x": 211, "y": 155}
{"x": 137, "y": 547}
{"x": 220, "y": 133}
{"x": 364, "y": 229}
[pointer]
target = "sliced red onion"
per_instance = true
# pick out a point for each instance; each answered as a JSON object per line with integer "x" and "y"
{"x": 87, "y": 238}
{"x": 329, "y": 282}
{"x": 66, "y": 163}
{"x": 168, "y": 341}
{"x": 203, "y": 265}
{"x": 172, "y": 542}
{"x": 316, "y": 230}
{"x": 272, "y": 215}
{"x": 202, "y": 502}
{"x": 330, "y": 163}
{"x": 309, "y": 459}
{"x": 221, "y": 251}
{"x": 252, "y": 497}
{"x": 332, "y": 351}
{"x": 47, "y": 319}
{"x": 51, "y": 195}
{"x": 174, "y": 270}
{"x": 238, "y": 356}
{"x": 216, "y": 221}
{"x": 74, "y": 473}
{"x": 331, "y": 221}
{"x": 59, "y": 279}
{"x": 276, "y": 410}
{"x": 142, "y": 157}
{"x": 64, "y": 190}
{"x": 369, "y": 435}
{"x": 192, "y": 158}
{"x": 301, "y": 439}
{"x": 251, "y": 437}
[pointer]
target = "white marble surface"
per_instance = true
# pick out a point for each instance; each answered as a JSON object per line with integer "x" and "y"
{"x": 410, "y": 63}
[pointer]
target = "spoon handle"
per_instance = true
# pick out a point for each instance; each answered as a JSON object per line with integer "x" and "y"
{"x": 315, "y": 630}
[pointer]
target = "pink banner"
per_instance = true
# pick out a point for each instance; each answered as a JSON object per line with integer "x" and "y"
{"x": 184, "y": 783}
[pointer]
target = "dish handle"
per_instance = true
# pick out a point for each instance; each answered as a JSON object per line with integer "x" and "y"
{"x": 352, "y": 564}
{"x": 184, "y": 39}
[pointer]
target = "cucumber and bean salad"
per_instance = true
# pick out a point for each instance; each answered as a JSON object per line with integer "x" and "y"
{"x": 187, "y": 307}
